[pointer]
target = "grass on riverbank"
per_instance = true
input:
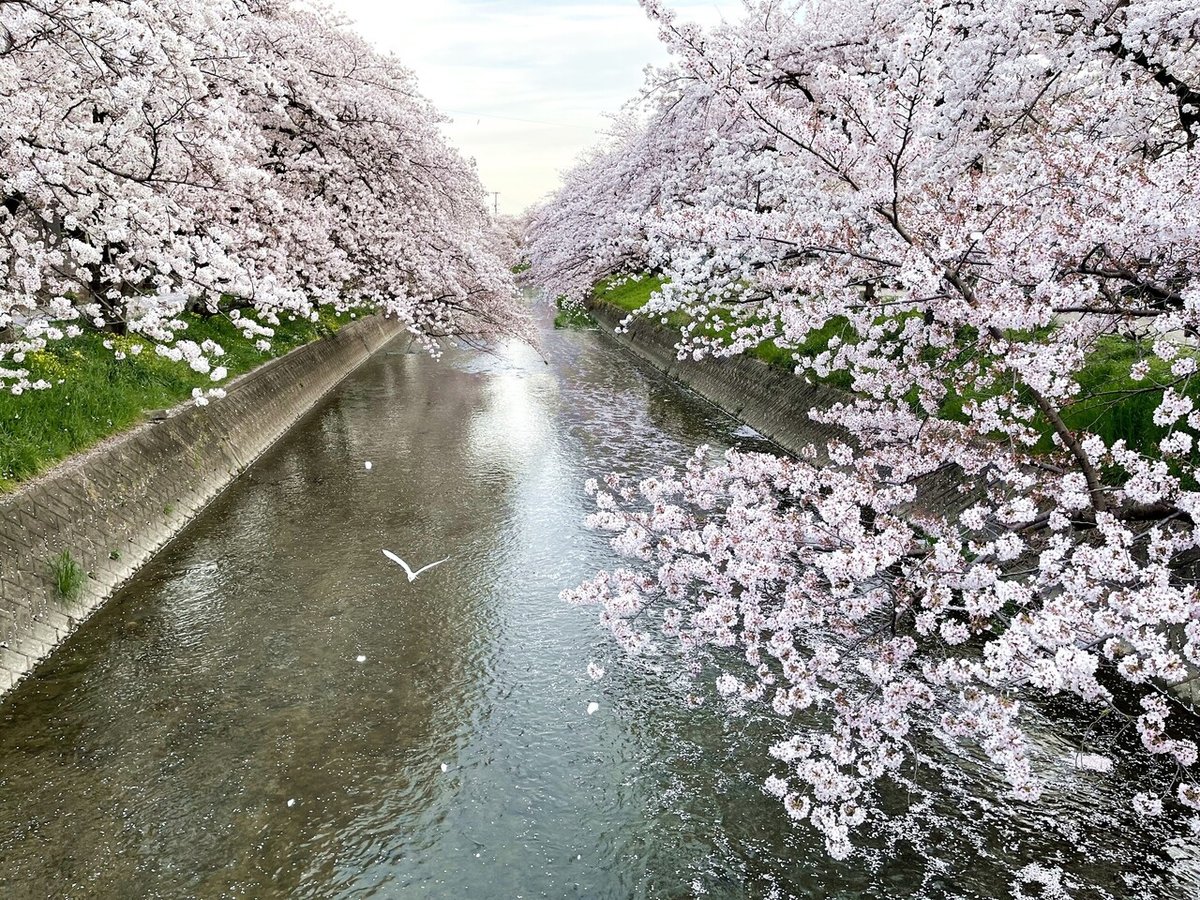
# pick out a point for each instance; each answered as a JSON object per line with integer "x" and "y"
{"x": 568, "y": 315}
{"x": 1111, "y": 405}
{"x": 633, "y": 295}
{"x": 93, "y": 395}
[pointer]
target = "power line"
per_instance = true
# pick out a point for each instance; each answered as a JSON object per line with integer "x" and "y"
{"x": 454, "y": 112}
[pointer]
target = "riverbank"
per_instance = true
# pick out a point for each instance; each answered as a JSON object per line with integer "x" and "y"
{"x": 1106, "y": 371}
{"x": 70, "y": 538}
{"x": 102, "y": 384}
{"x": 768, "y": 397}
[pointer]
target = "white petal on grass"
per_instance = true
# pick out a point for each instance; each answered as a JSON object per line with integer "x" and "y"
{"x": 593, "y": 707}
{"x": 445, "y": 768}
{"x": 292, "y": 802}
{"x": 360, "y": 658}
{"x": 368, "y": 465}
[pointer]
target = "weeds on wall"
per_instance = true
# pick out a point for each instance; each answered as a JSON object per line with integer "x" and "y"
{"x": 69, "y": 576}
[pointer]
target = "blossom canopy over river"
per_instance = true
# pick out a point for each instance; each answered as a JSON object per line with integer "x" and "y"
{"x": 978, "y": 224}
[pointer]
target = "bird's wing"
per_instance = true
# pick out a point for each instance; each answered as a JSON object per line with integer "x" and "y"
{"x": 398, "y": 561}
{"x": 430, "y": 566}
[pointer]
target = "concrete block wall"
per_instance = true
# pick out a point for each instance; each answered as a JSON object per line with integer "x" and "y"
{"x": 114, "y": 507}
{"x": 770, "y": 399}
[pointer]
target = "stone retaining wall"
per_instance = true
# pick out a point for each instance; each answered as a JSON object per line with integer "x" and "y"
{"x": 115, "y": 506}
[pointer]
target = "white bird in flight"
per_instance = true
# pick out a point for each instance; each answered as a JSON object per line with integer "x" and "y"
{"x": 412, "y": 576}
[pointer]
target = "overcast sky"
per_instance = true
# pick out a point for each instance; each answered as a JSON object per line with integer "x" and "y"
{"x": 527, "y": 82}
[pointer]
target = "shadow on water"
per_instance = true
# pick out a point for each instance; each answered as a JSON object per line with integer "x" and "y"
{"x": 212, "y": 732}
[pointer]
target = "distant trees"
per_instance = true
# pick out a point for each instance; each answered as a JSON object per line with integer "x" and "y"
{"x": 250, "y": 158}
{"x": 983, "y": 217}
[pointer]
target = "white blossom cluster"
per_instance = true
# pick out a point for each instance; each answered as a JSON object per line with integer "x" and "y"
{"x": 981, "y": 196}
{"x": 247, "y": 158}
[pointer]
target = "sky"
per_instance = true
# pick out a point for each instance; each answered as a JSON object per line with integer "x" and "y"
{"x": 526, "y": 82}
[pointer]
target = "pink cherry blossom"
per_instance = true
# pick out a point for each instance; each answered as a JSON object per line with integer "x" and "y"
{"x": 247, "y": 158}
{"x": 978, "y": 196}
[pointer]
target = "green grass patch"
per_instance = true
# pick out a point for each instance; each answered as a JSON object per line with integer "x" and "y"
{"x": 571, "y": 315}
{"x": 1112, "y": 404}
{"x": 69, "y": 576}
{"x": 630, "y": 295}
{"x": 572, "y": 318}
{"x": 94, "y": 395}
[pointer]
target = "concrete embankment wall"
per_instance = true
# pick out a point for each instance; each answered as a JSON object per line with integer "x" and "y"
{"x": 770, "y": 399}
{"x": 115, "y": 506}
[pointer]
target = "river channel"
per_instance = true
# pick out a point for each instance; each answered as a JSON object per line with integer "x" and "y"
{"x": 270, "y": 709}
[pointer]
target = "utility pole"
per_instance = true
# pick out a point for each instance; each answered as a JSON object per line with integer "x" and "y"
{"x": 495, "y": 203}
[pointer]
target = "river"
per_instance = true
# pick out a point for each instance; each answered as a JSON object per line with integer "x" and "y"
{"x": 270, "y": 709}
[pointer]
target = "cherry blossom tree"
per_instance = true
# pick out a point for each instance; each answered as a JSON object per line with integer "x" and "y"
{"x": 247, "y": 158}
{"x": 958, "y": 211}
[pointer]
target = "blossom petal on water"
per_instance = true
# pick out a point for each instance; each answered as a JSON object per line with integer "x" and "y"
{"x": 1092, "y": 762}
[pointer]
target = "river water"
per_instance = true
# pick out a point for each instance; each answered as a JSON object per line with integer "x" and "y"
{"x": 213, "y": 733}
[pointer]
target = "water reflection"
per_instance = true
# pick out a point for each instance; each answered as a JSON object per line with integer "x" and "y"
{"x": 157, "y": 754}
